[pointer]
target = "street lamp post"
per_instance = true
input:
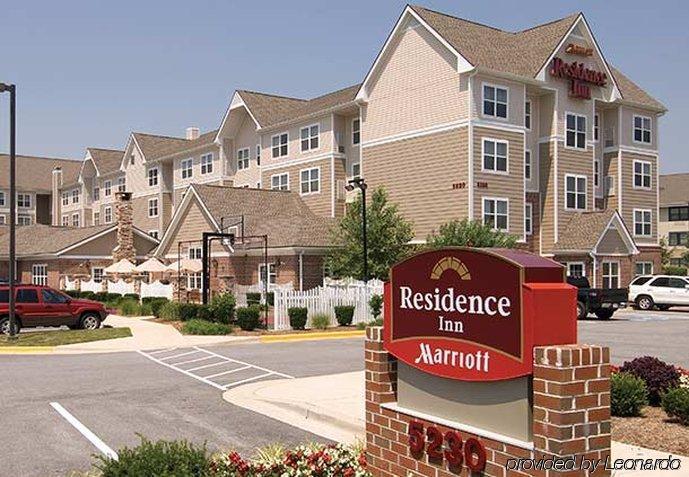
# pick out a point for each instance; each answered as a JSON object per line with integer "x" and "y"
{"x": 12, "y": 89}
{"x": 360, "y": 183}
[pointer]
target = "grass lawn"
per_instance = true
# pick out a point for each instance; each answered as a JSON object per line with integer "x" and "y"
{"x": 64, "y": 337}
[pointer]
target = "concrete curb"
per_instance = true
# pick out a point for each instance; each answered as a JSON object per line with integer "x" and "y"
{"x": 332, "y": 335}
{"x": 27, "y": 349}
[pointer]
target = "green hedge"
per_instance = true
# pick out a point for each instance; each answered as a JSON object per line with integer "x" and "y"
{"x": 675, "y": 270}
{"x": 628, "y": 395}
{"x": 222, "y": 308}
{"x": 344, "y": 315}
{"x": 249, "y": 318}
{"x": 297, "y": 317}
{"x": 204, "y": 327}
{"x": 156, "y": 303}
{"x": 676, "y": 404}
{"x": 253, "y": 299}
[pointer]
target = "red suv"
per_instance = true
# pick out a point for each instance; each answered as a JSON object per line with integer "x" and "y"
{"x": 38, "y": 305}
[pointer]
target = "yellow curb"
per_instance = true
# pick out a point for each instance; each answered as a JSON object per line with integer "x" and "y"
{"x": 26, "y": 349}
{"x": 333, "y": 335}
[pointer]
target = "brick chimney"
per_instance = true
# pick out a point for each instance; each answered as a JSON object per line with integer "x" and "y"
{"x": 55, "y": 191}
{"x": 193, "y": 133}
{"x": 125, "y": 228}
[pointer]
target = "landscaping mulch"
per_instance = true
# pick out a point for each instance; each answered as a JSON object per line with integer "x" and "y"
{"x": 653, "y": 430}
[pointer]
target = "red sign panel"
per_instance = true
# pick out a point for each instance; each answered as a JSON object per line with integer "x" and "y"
{"x": 458, "y": 313}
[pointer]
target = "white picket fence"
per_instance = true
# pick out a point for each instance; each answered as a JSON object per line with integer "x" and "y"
{"x": 157, "y": 289}
{"x": 241, "y": 291}
{"x": 91, "y": 286}
{"x": 323, "y": 300}
{"x": 70, "y": 284}
{"x": 120, "y": 287}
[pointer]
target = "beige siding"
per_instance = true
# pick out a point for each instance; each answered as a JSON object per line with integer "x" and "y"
{"x": 140, "y": 213}
{"x": 612, "y": 243}
{"x": 508, "y": 186}
{"x": 578, "y": 162}
{"x": 636, "y": 198}
{"x": 547, "y": 183}
{"x": 246, "y": 137}
{"x": 515, "y": 99}
{"x": 190, "y": 228}
{"x": 338, "y": 187}
{"x": 627, "y": 128}
{"x": 197, "y": 177}
{"x": 420, "y": 175}
{"x": 417, "y": 87}
{"x": 294, "y": 152}
{"x": 103, "y": 246}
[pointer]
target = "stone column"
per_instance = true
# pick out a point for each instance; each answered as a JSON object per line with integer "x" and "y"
{"x": 125, "y": 228}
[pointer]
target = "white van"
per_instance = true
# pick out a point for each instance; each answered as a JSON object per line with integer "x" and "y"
{"x": 662, "y": 291}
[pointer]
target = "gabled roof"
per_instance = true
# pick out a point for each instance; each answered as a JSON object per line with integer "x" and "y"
{"x": 633, "y": 93}
{"x": 585, "y": 230}
{"x": 674, "y": 189}
{"x": 155, "y": 146}
{"x": 106, "y": 161}
{"x": 35, "y": 173}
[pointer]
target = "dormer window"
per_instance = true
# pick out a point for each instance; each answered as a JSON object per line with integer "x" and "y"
{"x": 642, "y": 129}
{"x": 153, "y": 177}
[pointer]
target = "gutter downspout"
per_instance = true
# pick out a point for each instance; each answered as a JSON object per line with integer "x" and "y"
{"x": 595, "y": 269}
{"x": 301, "y": 271}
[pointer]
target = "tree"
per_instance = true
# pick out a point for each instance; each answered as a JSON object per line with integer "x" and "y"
{"x": 388, "y": 238}
{"x": 665, "y": 253}
{"x": 469, "y": 233}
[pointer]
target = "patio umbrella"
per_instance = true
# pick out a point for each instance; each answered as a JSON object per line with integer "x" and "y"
{"x": 189, "y": 265}
{"x": 122, "y": 267}
{"x": 152, "y": 265}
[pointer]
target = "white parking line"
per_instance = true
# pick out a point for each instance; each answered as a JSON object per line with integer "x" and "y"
{"x": 242, "y": 362}
{"x": 187, "y": 373}
{"x": 227, "y": 372}
{"x": 193, "y": 360}
{"x": 93, "y": 439}
{"x": 207, "y": 365}
{"x": 237, "y": 383}
{"x": 178, "y": 355}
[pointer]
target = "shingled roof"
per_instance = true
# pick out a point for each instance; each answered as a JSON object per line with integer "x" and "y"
{"x": 281, "y": 215}
{"x": 674, "y": 189}
{"x": 585, "y": 229}
{"x": 39, "y": 239}
{"x": 154, "y": 146}
{"x": 106, "y": 160}
{"x": 35, "y": 173}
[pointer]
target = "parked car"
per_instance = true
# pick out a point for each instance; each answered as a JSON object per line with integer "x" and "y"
{"x": 660, "y": 291}
{"x": 603, "y": 302}
{"x": 38, "y": 305}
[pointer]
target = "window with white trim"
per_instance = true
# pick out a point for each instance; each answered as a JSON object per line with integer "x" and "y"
{"x": 309, "y": 137}
{"x": 356, "y": 170}
{"x": 122, "y": 184}
{"x": 24, "y": 220}
{"x": 611, "y": 274}
{"x": 356, "y": 131}
{"x": 195, "y": 281}
{"x": 24, "y": 200}
{"x": 96, "y": 218}
{"x": 187, "y": 166}
{"x": 96, "y": 193}
{"x": 39, "y": 274}
{"x": 310, "y": 180}
{"x": 642, "y": 222}
{"x": 527, "y": 164}
{"x": 2, "y": 199}
{"x": 575, "y": 131}
{"x": 528, "y": 218}
{"x": 65, "y": 220}
{"x": 643, "y": 268}
{"x": 75, "y": 220}
{"x": 576, "y": 269}
{"x": 242, "y": 158}
{"x": 575, "y": 192}
{"x": 195, "y": 253}
{"x": 97, "y": 274}
{"x": 207, "y": 163}
{"x": 495, "y": 101}
{"x": 153, "y": 233}
{"x": 107, "y": 188}
{"x": 527, "y": 115}
{"x": 279, "y": 144}
{"x": 3, "y": 220}
{"x": 642, "y": 129}
{"x": 107, "y": 214}
{"x": 258, "y": 154}
{"x": 272, "y": 273}
{"x": 153, "y": 207}
{"x": 279, "y": 181}
{"x": 642, "y": 174}
{"x": 496, "y": 213}
{"x": 596, "y": 173}
{"x": 495, "y": 155}
{"x": 596, "y": 126}
{"x": 75, "y": 196}
{"x": 65, "y": 198}
{"x": 153, "y": 177}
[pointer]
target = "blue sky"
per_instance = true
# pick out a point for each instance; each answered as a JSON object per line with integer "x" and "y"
{"x": 89, "y": 72}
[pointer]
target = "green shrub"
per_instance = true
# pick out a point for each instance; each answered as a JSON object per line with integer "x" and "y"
{"x": 157, "y": 459}
{"x": 253, "y": 298}
{"x": 270, "y": 298}
{"x": 145, "y": 309}
{"x": 89, "y": 295}
{"x": 131, "y": 296}
{"x": 188, "y": 311}
{"x": 130, "y": 308}
{"x": 675, "y": 270}
{"x": 204, "y": 312}
{"x": 73, "y": 293}
{"x": 628, "y": 394}
{"x": 344, "y": 315}
{"x": 169, "y": 311}
{"x": 658, "y": 376}
{"x": 101, "y": 296}
{"x": 248, "y": 318}
{"x": 320, "y": 321}
{"x": 222, "y": 308}
{"x": 205, "y": 327}
{"x": 376, "y": 322}
{"x": 676, "y": 404}
{"x": 297, "y": 317}
{"x": 376, "y": 304}
{"x": 155, "y": 302}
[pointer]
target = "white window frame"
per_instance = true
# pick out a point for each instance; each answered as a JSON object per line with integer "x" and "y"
{"x": 187, "y": 168}
{"x": 596, "y": 127}
{"x": 75, "y": 196}
{"x": 65, "y": 198}
{"x": 280, "y": 185}
{"x": 65, "y": 220}
{"x": 195, "y": 253}
{"x": 356, "y": 173}
{"x": 495, "y": 169}
{"x": 495, "y": 101}
{"x": 23, "y": 200}
{"x": 76, "y": 220}
{"x": 96, "y": 217}
{"x": 3, "y": 219}
{"x": 243, "y": 158}
{"x": 577, "y": 264}
{"x": 96, "y": 193}
{"x": 495, "y": 200}
{"x": 121, "y": 184}
{"x": 153, "y": 208}
{"x": 576, "y": 146}
{"x": 154, "y": 233}
{"x": 310, "y": 138}
{"x": 356, "y": 133}
{"x": 642, "y": 129}
{"x": 643, "y": 175}
{"x": 643, "y": 223}
{"x": 528, "y": 218}
{"x": 152, "y": 175}
{"x": 280, "y": 145}
{"x": 107, "y": 215}
{"x": 39, "y": 274}
{"x": 644, "y": 265}
{"x": 528, "y": 165}
{"x": 258, "y": 154}
{"x": 207, "y": 163}
{"x": 107, "y": 188}
{"x": 97, "y": 276}
{"x": 576, "y": 192}
{"x": 608, "y": 277}
{"x": 596, "y": 173}
{"x": 2, "y": 198}
{"x": 195, "y": 281}
{"x": 24, "y": 219}
{"x": 310, "y": 181}
{"x": 528, "y": 115}
{"x": 272, "y": 273}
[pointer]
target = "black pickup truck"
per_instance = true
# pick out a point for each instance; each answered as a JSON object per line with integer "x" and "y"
{"x": 601, "y": 301}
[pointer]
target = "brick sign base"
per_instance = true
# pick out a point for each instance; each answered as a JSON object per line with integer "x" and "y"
{"x": 571, "y": 416}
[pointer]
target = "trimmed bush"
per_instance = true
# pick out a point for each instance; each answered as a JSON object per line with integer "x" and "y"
{"x": 676, "y": 404}
{"x": 205, "y": 327}
{"x": 297, "y": 317}
{"x": 129, "y": 308}
{"x": 169, "y": 311}
{"x": 222, "y": 308}
{"x": 205, "y": 313}
{"x": 89, "y": 295}
{"x": 101, "y": 296}
{"x": 628, "y": 395}
{"x": 73, "y": 293}
{"x": 344, "y": 315}
{"x": 188, "y": 311}
{"x": 376, "y": 305}
{"x": 248, "y": 318}
{"x": 131, "y": 296}
{"x": 253, "y": 299}
{"x": 157, "y": 459}
{"x": 675, "y": 270}
{"x": 658, "y": 376}
{"x": 320, "y": 321}
{"x": 155, "y": 302}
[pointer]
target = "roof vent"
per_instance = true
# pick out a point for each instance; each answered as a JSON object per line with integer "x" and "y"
{"x": 193, "y": 133}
